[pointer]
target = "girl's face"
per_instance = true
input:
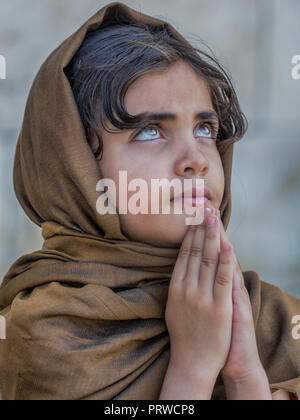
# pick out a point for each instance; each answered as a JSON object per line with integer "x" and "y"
{"x": 183, "y": 147}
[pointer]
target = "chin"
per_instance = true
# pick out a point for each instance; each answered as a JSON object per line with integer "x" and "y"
{"x": 161, "y": 230}
{"x": 169, "y": 235}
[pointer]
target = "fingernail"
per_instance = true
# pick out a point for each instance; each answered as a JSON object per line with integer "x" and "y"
{"x": 207, "y": 211}
{"x": 211, "y": 221}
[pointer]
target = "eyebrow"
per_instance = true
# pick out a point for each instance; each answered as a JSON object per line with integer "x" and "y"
{"x": 159, "y": 116}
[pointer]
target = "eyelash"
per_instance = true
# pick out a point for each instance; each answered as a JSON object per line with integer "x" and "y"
{"x": 213, "y": 128}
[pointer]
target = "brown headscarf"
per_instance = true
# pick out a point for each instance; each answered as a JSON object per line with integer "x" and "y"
{"x": 85, "y": 314}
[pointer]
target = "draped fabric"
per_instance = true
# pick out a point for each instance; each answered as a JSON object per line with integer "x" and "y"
{"x": 85, "y": 314}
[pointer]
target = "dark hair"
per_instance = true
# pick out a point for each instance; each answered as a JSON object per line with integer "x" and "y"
{"x": 111, "y": 59}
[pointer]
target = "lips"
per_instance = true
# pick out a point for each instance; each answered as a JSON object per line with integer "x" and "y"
{"x": 194, "y": 196}
{"x": 195, "y": 193}
{"x": 192, "y": 201}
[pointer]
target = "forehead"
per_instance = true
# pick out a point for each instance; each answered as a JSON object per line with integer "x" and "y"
{"x": 177, "y": 89}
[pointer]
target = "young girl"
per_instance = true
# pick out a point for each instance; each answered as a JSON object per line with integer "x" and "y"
{"x": 136, "y": 306}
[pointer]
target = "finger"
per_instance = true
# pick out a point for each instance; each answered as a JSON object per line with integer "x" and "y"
{"x": 238, "y": 280}
{"x": 239, "y": 283}
{"x": 193, "y": 267}
{"x": 210, "y": 257}
{"x": 241, "y": 300}
{"x": 219, "y": 243}
{"x": 181, "y": 264}
{"x": 224, "y": 236}
{"x": 224, "y": 277}
{"x": 236, "y": 285}
{"x": 196, "y": 251}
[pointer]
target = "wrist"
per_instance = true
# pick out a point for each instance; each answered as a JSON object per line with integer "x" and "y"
{"x": 198, "y": 371}
{"x": 252, "y": 385}
{"x": 184, "y": 381}
{"x": 247, "y": 375}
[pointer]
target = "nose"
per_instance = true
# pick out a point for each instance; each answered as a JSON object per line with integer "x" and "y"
{"x": 192, "y": 162}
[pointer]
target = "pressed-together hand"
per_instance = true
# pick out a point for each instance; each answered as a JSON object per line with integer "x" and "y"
{"x": 209, "y": 319}
{"x": 199, "y": 307}
{"x": 243, "y": 357}
{"x": 243, "y": 364}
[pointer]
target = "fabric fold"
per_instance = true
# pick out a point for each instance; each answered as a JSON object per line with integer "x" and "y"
{"x": 85, "y": 314}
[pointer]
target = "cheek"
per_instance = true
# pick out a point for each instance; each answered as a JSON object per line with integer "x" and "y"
{"x": 222, "y": 179}
{"x": 122, "y": 177}
{"x": 220, "y": 174}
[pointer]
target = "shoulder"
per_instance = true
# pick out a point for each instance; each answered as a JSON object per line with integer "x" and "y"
{"x": 274, "y": 313}
{"x": 269, "y": 301}
{"x": 44, "y": 337}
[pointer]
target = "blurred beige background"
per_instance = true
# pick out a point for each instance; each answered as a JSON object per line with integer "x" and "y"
{"x": 255, "y": 40}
